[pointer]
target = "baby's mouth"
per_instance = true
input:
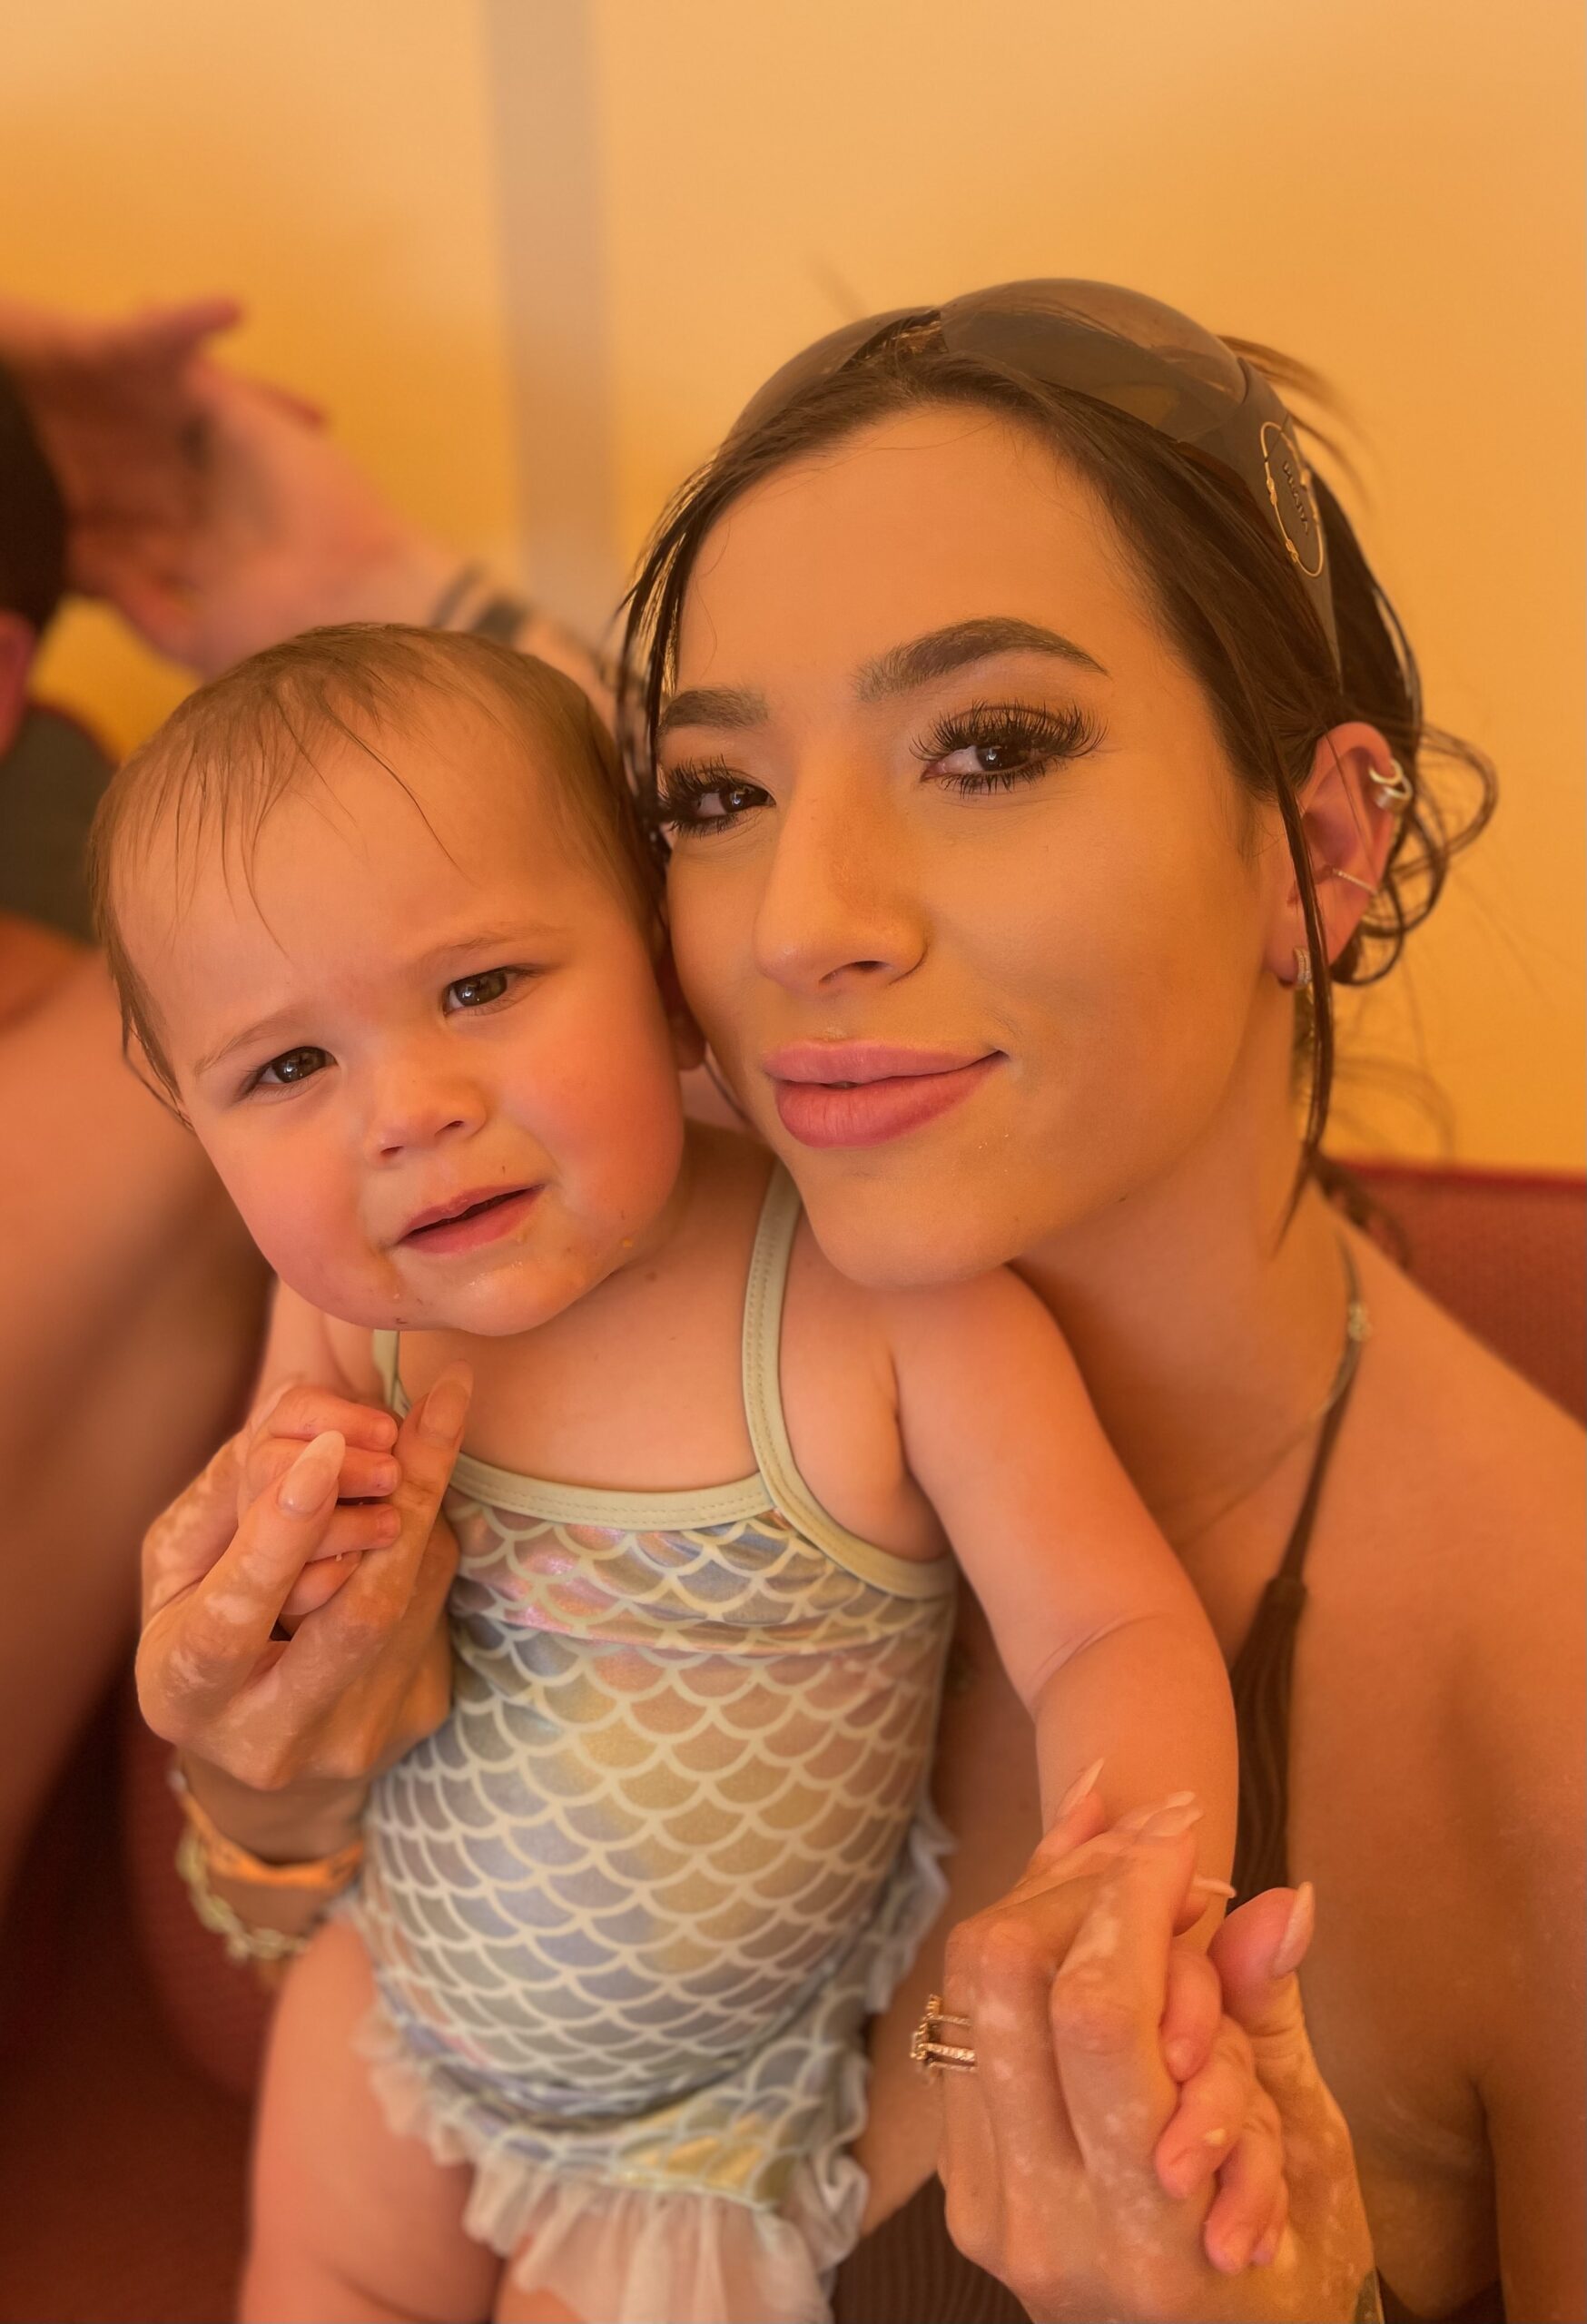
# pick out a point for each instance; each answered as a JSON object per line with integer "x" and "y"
{"x": 433, "y": 1224}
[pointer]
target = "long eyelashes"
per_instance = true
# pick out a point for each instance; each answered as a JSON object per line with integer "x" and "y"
{"x": 1017, "y": 743}
{"x": 688, "y": 788}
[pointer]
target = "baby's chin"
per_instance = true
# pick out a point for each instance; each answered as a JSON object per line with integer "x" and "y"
{"x": 497, "y": 1302}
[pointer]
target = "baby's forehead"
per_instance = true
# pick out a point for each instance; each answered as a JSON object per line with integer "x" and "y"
{"x": 442, "y": 809}
{"x": 445, "y": 779}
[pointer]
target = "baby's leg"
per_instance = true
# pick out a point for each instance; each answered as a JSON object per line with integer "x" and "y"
{"x": 351, "y": 2224}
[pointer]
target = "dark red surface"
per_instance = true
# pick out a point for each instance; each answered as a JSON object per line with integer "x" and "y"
{"x": 127, "y": 2042}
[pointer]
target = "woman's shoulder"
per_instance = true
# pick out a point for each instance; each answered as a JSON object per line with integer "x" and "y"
{"x": 1473, "y": 1436}
{"x": 1480, "y": 1481}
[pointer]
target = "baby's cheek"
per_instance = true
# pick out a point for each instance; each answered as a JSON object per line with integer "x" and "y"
{"x": 324, "y": 1257}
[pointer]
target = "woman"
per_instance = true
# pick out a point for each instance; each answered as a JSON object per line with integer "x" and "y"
{"x": 996, "y": 718}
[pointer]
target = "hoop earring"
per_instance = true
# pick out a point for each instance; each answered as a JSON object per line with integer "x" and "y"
{"x": 1394, "y": 791}
{"x": 1301, "y": 981}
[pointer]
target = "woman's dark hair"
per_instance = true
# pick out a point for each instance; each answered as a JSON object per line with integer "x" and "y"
{"x": 1232, "y": 600}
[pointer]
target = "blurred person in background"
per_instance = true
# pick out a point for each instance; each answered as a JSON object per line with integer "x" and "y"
{"x": 131, "y": 1300}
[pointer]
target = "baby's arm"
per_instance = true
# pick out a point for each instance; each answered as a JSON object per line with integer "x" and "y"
{"x": 1097, "y": 1623}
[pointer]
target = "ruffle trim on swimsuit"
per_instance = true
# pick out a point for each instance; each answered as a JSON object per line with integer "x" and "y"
{"x": 636, "y": 2254}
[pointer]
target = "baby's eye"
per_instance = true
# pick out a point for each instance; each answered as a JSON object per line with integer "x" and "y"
{"x": 478, "y": 992}
{"x": 293, "y": 1067}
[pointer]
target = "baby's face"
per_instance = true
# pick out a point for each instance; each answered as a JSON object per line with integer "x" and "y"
{"x": 424, "y": 1045}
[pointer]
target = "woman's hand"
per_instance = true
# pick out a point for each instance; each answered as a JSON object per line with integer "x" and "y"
{"x": 364, "y": 1516}
{"x": 298, "y": 1725}
{"x": 1060, "y": 2150}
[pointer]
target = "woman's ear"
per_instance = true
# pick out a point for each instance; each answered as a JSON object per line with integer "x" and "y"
{"x": 688, "y": 1043}
{"x": 1349, "y": 814}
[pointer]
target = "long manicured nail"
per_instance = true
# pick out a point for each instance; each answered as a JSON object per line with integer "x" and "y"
{"x": 445, "y": 1406}
{"x": 310, "y": 1481}
{"x": 1208, "y": 1887}
{"x": 1139, "y": 1818}
{"x": 1298, "y": 1932}
{"x": 1081, "y": 1789}
{"x": 1172, "y": 1822}
{"x": 1266, "y": 2252}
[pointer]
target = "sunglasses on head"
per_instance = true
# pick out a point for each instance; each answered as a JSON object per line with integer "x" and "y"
{"x": 1119, "y": 349}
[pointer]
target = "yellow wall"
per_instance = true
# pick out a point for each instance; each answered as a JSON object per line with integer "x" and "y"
{"x": 479, "y": 229}
{"x": 325, "y": 160}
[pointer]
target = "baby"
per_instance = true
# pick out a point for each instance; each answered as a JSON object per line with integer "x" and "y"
{"x": 389, "y": 935}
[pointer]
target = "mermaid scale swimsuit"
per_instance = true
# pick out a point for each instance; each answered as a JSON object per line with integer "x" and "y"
{"x": 630, "y": 1906}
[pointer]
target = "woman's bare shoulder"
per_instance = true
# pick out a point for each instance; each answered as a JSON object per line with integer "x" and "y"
{"x": 1475, "y": 1440}
{"x": 1483, "y": 1483}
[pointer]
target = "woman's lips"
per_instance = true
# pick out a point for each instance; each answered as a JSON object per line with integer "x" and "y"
{"x": 484, "y": 1223}
{"x": 864, "y": 1094}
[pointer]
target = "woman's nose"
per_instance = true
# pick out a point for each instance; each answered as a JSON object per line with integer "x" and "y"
{"x": 416, "y": 1104}
{"x": 840, "y": 905}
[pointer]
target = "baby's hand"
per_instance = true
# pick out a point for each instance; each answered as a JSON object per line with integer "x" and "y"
{"x": 365, "y": 1518}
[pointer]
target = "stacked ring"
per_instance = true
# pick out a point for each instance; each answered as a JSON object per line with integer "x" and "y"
{"x": 932, "y": 2055}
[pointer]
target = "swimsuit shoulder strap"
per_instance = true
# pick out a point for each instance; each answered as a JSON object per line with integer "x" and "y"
{"x": 764, "y": 1294}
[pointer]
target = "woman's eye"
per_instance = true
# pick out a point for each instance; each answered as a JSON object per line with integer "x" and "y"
{"x": 991, "y": 758}
{"x": 291, "y": 1067}
{"x": 707, "y": 799}
{"x": 478, "y": 992}
{"x": 994, "y": 747}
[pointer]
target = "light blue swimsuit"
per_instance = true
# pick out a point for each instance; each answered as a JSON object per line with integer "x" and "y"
{"x": 630, "y": 1906}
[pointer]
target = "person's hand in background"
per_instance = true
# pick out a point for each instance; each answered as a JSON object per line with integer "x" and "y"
{"x": 117, "y": 411}
{"x": 218, "y": 513}
{"x": 282, "y": 533}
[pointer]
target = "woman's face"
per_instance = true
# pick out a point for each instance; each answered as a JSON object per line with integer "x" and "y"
{"x": 964, "y": 893}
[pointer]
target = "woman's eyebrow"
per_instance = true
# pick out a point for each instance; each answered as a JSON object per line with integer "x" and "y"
{"x": 902, "y": 667}
{"x": 941, "y": 651}
{"x": 713, "y": 706}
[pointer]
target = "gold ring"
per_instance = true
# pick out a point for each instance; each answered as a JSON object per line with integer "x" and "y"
{"x": 933, "y": 2055}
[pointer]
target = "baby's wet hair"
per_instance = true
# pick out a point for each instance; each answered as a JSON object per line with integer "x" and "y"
{"x": 214, "y": 773}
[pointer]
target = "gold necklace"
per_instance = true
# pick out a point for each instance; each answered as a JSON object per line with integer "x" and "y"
{"x": 1357, "y": 1331}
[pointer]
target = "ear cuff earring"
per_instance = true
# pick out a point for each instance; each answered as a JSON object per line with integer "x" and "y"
{"x": 1394, "y": 791}
{"x": 1332, "y": 872}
